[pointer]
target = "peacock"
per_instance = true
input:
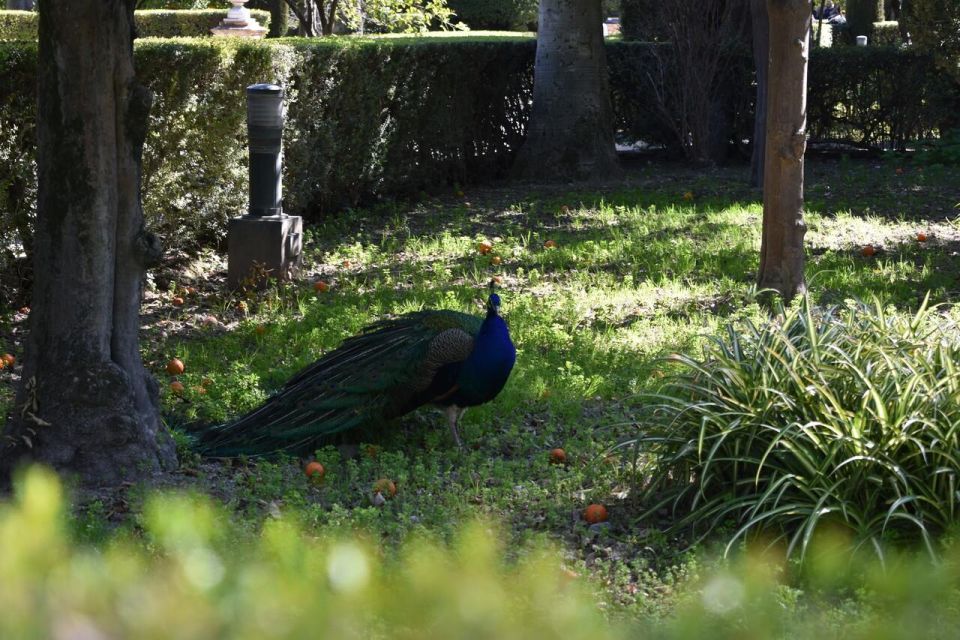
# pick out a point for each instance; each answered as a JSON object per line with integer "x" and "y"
{"x": 445, "y": 358}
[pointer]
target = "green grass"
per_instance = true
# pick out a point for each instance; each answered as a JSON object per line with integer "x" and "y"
{"x": 639, "y": 273}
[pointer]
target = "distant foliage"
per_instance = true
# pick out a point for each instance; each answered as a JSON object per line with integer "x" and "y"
{"x": 934, "y": 26}
{"x": 497, "y": 15}
{"x": 846, "y": 421}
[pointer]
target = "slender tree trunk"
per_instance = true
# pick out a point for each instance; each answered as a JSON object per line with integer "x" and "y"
{"x": 87, "y": 405}
{"x": 781, "y": 249}
{"x": 570, "y": 133}
{"x": 760, "y": 24}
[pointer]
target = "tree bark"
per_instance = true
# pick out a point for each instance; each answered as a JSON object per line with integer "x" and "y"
{"x": 781, "y": 249}
{"x": 760, "y": 25}
{"x": 87, "y": 406}
{"x": 570, "y": 133}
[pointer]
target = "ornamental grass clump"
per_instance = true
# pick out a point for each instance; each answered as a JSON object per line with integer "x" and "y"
{"x": 844, "y": 420}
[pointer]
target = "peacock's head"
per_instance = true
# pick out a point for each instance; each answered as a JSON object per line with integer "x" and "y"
{"x": 493, "y": 302}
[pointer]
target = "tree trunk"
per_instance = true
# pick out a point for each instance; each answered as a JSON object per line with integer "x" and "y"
{"x": 760, "y": 24}
{"x": 861, "y": 14}
{"x": 570, "y": 133}
{"x": 781, "y": 249}
{"x": 87, "y": 405}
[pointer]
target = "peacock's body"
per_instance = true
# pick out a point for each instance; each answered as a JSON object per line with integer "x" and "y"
{"x": 449, "y": 359}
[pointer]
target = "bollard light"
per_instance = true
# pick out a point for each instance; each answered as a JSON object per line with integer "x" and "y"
{"x": 265, "y": 243}
{"x": 861, "y": 41}
{"x": 265, "y": 132}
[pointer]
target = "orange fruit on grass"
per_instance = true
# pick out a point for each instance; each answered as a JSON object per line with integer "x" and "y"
{"x": 177, "y": 301}
{"x": 8, "y": 359}
{"x": 868, "y": 250}
{"x": 496, "y": 260}
{"x": 558, "y": 456}
{"x": 177, "y": 387}
{"x": 550, "y": 244}
{"x": 688, "y": 195}
{"x": 314, "y": 470}
{"x": 921, "y": 237}
{"x": 385, "y": 487}
{"x": 321, "y": 286}
{"x": 497, "y": 280}
{"x": 175, "y": 367}
{"x": 595, "y": 513}
{"x": 485, "y": 247}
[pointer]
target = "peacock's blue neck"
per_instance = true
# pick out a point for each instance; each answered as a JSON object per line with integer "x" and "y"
{"x": 488, "y": 366}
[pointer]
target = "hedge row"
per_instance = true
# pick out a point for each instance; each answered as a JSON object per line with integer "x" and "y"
{"x": 22, "y": 25}
{"x": 368, "y": 117}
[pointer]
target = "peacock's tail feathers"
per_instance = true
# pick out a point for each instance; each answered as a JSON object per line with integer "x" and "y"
{"x": 377, "y": 375}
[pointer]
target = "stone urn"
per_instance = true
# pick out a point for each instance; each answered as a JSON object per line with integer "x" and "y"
{"x": 239, "y": 22}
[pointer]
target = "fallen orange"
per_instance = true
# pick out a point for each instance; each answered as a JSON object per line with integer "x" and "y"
{"x": 595, "y": 513}
{"x": 485, "y": 247}
{"x": 177, "y": 387}
{"x": 321, "y": 286}
{"x": 385, "y": 486}
{"x": 314, "y": 470}
{"x": 558, "y": 456}
{"x": 868, "y": 250}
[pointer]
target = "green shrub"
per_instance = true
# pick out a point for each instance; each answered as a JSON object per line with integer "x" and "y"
{"x": 885, "y": 33}
{"x": 189, "y": 576}
{"x": 496, "y": 15}
{"x": 18, "y": 25}
{"x": 846, "y": 420}
{"x": 878, "y": 96}
{"x": 22, "y": 25}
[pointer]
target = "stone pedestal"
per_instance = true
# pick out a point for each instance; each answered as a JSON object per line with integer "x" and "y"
{"x": 262, "y": 247}
{"x": 239, "y": 23}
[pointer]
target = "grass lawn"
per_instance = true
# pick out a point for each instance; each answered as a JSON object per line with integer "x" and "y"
{"x": 641, "y": 269}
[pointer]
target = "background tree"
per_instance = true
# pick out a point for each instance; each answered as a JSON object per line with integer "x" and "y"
{"x": 861, "y": 14}
{"x": 781, "y": 248}
{"x": 695, "y": 69}
{"x": 760, "y": 27}
{"x": 934, "y": 26}
{"x": 570, "y": 133}
{"x": 321, "y": 17}
{"x": 87, "y": 405}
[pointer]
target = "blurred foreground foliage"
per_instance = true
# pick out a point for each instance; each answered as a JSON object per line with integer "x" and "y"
{"x": 182, "y": 572}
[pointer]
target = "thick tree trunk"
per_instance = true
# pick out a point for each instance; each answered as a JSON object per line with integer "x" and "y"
{"x": 781, "y": 250}
{"x": 760, "y": 24}
{"x": 570, "y": 133}
{"x": 88, "y": 406}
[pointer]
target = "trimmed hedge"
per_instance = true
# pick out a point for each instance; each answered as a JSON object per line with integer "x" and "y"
{"x": 18, "y": 25}
{"x": 878, "y": 96}
{"x": 886, "y": 33}
{"x": 384, "y": 116}
{"x": 159, "y": 23}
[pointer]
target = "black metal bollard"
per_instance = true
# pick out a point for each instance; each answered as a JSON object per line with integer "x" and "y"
{"x": 265, "y": 243}
{"x": 265, "y": 131}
